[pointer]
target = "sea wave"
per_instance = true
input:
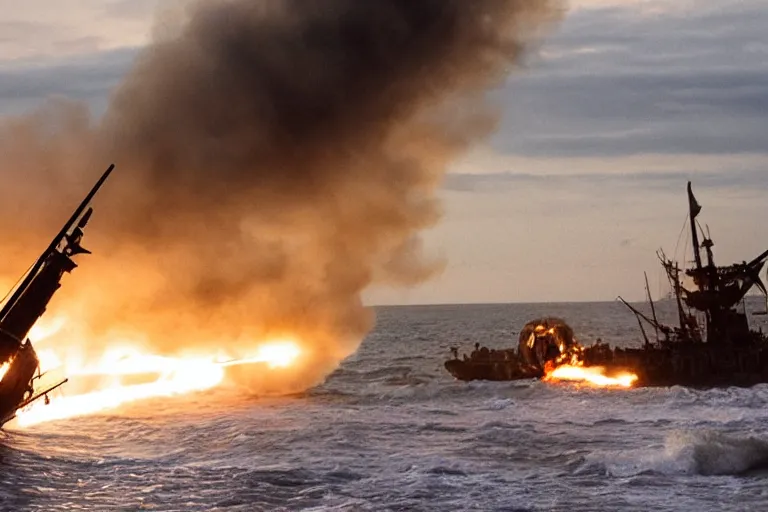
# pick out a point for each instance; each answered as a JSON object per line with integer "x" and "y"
{"x": 685, "y": 452}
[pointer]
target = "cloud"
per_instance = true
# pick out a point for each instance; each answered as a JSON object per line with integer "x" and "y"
{"x": 628, "y": 100}
{"x": 87, "y": 79}
{"x": 532, "y": 237}
{"x": 613, "y": 83}
{"x": 36, "y": 30}
{"x": 140, "y": 10}
{"x": 753, "y": 179}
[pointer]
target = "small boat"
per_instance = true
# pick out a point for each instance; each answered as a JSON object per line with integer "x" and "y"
{"x": 541, "y": 341}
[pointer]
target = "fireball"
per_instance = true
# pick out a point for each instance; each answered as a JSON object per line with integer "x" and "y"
{"x": 113, "y": 377}
{"x": 593, "y": 375}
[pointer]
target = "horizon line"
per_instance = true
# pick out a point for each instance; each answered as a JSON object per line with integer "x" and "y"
{"x": 521, "y": 303}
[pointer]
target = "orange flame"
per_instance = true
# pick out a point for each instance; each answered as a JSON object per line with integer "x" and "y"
{"x": 593, "y": 375}
{"x": 185, "y": 377}
{"x": 276, "y": 354}
{"x": 4, "y": 369}
{"x": 173, "y": 376}
{"x": 42, "y": 330}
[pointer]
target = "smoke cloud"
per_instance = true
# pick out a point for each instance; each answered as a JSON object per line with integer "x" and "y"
{"x": 274, "y": 159}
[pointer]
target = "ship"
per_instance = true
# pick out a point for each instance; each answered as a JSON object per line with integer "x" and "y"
{"x": 25, "y": 305}
{"x": 541, "y": 341}
{"x": 712, "y": 345}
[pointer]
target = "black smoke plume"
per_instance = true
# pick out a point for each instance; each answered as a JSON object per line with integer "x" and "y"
{"x": 274, "y": 159}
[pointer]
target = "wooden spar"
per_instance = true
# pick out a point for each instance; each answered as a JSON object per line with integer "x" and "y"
{"x": 52, "y": 246}
{"x": 32, "y": 399}
{"x": 642, "y": 329}
{"x": 653, "y": 308}
{"x": 639, "y": 315}
{"x": 42, "y": 393}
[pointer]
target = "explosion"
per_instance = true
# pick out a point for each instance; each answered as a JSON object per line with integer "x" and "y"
{"x": 162, "y": 376}
{"x": 591, "y": 375}
{"x": 570, "y": 367}
{"x": 277, "y": 158}
{"x": 550, "y": 345}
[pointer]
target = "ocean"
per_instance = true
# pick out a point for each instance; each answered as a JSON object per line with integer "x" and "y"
{"x": 390, "y": 429}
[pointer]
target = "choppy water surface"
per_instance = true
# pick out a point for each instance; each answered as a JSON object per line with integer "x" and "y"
{"x": 391, "y": 430}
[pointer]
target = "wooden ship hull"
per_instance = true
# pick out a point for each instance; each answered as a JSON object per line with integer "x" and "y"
{"x": 490, "y": 370}
{"x": 712, "y": 345}
{"x": 691, "y": 366}
{"x": 541, "y": 340}
{"x": 694, "y": 367}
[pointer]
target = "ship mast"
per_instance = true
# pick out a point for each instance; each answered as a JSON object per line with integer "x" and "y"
{"x": 678, "y": 296}
{"x": 672, "y": 270}
{"x": 718, "y": 289}
{"x": 29, "y": 301}
{"x": 693, "y": 210}
{"x": 653, "y": 308}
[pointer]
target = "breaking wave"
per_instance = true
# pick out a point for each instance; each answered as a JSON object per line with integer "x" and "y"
{"x": 686, "y": 452}
{"x": 717, "y": 453}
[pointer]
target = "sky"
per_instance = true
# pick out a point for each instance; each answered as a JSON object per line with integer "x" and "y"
{"x": 600, "y": 130}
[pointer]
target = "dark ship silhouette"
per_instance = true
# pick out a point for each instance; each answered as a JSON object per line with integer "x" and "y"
{"x": 542, "y": 341}
{"x": 27, "y": 304}
{"x": 724, "y": 351}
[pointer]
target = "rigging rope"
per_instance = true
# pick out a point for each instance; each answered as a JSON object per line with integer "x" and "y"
{"x": 16, "y": 284}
